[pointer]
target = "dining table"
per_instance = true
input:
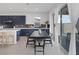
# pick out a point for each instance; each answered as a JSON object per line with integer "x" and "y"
{"x": 39, "y": 37}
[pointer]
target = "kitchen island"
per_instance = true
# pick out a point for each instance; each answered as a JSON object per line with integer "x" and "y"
{"x": 11, "y": 35}
{"x": 8, "y": 36}
{"x": 28, "y": 31}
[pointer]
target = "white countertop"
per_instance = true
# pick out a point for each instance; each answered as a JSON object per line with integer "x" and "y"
{"x": 20, "y": 28}
{"x": 32, "y": 28}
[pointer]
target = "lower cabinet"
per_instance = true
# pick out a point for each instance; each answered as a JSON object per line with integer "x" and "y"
{"x": 26, "y": 32}
{"x": 8, "y": 36}
{"x": 18, "y": 35}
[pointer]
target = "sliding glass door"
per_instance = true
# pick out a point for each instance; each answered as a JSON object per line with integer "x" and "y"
{"x": 64, "y": 25}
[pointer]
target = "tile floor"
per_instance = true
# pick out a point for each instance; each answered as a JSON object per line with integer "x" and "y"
{"x": 20, "y": 49}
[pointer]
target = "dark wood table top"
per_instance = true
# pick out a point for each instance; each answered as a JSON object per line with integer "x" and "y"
{"x": 39, "y": 37}
{"x": 36, "y": 34}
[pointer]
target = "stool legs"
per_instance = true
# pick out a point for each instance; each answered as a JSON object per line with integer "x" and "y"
{"x": 35, "y": 47}
{"x": 27, "y": 41}
{"x": 43, "y": 46}
{"x": 51, "y": 42}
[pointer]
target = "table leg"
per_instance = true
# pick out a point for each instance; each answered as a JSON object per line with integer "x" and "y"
{"x": 43, "y": 46}
{"x": 39, "y": 44}
{"x": 27, "y": 41}
{"x": 35, "y": 47}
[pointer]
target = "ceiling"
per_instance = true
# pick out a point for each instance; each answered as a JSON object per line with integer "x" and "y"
{"x": 27, "y": 7}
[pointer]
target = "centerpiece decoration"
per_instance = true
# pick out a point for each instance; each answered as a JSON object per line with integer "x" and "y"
{"x": 47, "y": 22}
{"x": 37, "y": 24}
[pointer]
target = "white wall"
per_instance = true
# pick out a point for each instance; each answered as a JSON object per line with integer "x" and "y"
{"x": 29, "y": 16}
{"x": 57, "y": 29}
{"x": 51, "y": 22}
{"x": 55, "y": 12}
{"x": 74, "y": 14}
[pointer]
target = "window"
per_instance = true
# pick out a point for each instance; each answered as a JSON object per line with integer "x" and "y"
{"x": 65, "y": 19}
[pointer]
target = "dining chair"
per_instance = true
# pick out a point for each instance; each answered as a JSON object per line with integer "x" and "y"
{"x": 41, "y": 44}
{"x": 49, "y": 40}
{"x": 29, "y": 41}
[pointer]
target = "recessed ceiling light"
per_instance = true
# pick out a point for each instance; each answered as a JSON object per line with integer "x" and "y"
{"x": 25, "y": 8}
{"x": 36, "y": 9}
{"x": 37, "y": 17}
{"x": 27, "y": 3}
{"x": 10, "y": 8}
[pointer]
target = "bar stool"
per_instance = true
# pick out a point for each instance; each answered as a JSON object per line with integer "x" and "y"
{"x": 37, "y": 43}
{"x": 49, "y": 40}
{"x": 29, "y": 41}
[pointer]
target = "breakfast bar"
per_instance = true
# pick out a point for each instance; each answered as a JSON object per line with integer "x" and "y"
{"x": 8, "y": 36}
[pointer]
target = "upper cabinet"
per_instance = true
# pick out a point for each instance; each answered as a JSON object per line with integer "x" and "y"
{"x": 17, "y": 20}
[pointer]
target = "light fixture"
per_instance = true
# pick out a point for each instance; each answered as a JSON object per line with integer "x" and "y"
{"x": 25, "y": 8}
{"x": 37, "y": 18}
{"x": 36, "y": 9}
{"x": 10, "y": 8}
{"x": 27, "y": 3}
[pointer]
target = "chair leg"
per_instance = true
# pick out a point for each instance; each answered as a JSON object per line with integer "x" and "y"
{"x": 43, "y": 50}
{"x": 35, "y": 50}
{"x": 27, "y": 41}
{"x": 34, "y": 47}
{"x": 43, "y": 46}
{"x": 44, "y": 42}
{"x": 51, "y": 42}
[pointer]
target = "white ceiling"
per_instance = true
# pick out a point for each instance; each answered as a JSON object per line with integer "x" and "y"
{"x": 27, "y": 7}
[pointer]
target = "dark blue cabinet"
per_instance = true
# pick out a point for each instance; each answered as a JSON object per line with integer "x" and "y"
{"x": 19, "y": 20}
{"x": 47, "y": 30}
{"x": 27, "y": 32}
{"x": 18, "y": 35}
